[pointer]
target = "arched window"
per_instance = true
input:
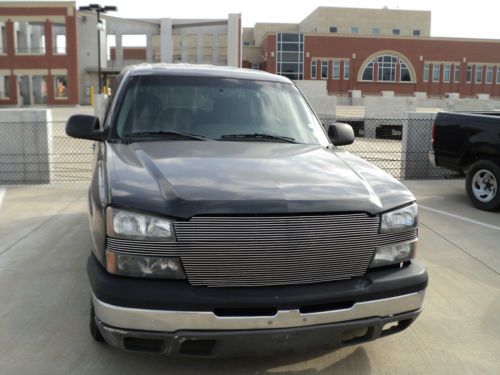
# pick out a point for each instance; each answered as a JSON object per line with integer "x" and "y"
{"x": 387, "y": 67}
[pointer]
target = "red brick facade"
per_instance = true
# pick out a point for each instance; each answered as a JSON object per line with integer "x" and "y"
{"x": 11, "y": 61}
{"x": 359, "y": 50}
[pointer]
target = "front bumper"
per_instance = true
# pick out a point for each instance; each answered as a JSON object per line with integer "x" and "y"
{"x": 234, "y": 343}
{"x": 172, "y": 317}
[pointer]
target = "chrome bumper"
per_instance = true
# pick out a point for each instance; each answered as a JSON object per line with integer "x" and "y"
{"x": 171, "y": 321}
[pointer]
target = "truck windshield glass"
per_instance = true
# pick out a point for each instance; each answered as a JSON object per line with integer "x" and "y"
{"x": 216, "y": 108}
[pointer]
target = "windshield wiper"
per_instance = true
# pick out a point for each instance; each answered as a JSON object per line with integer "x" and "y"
{"x": 165, "y": 134}
{"x": 258, "y": 136}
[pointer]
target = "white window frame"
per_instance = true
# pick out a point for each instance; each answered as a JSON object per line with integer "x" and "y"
{"x": 456, "y": 73}
{"x": 7, "y": 93}
{"x": 479, "y": 70}
{"x": 347, "y": 69}
{"x": 324, "y": 62}
{"x": 354, "y": 29}
{"x": 489, "y": 69}
{"x": 426, "y": 72}
{"x": 336, "y": 70}
{"x": 470, "y": 69}
{"x": 314, "y": 64}
{"x": 434, "y": 66}
{"x": 446, "y": 70}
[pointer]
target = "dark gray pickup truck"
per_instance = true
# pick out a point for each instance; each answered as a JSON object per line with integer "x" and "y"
{"x": 469, "y": 143}
{"x": 226, "y": 221}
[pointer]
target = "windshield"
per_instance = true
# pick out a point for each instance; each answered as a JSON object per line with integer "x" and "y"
{"x": 216, "y": 109}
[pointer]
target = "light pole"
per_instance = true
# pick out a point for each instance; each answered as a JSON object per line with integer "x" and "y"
{"x": 98, "y": 9}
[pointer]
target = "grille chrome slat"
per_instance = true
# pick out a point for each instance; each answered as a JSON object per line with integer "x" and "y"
{"x": 270, "y": 250}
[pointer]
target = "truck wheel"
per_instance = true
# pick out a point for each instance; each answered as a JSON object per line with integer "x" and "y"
{"x": 482, "y": 184}
{"x": 94, "y": 330}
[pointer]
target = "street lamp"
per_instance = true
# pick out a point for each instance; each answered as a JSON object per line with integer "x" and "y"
{"x": 98, "y": 9}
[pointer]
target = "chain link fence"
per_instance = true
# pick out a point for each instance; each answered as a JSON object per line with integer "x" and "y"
{"x": 41, "y": 153}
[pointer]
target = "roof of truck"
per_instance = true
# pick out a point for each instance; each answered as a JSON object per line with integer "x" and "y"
{"x": 203, "y": 71}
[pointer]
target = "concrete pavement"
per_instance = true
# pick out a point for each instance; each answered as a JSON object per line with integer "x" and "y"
{"x": 44, "y": 297}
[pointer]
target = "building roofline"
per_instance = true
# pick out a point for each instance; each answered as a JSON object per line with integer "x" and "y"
{"x": 37, "y": 4}
{"x": 360, "y": 36}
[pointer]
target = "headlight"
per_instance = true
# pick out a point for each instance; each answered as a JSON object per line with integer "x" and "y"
{"x": 394, "y": 254}
{"x": 133, "y": 225}
{"x": 144, "y": 266}
{"x": 399, "y": 220}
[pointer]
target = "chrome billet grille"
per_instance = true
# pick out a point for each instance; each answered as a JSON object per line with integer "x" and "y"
{"x": 270, "y": 250}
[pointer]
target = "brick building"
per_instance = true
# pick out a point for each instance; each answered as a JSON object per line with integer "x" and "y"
{"x": 38, "y": 53}
{"x": 375, "y": 59}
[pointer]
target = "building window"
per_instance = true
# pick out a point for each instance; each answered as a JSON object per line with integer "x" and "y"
{"x": 4, "y": 86}
{"x": 479, "y": 74}
{"x": 416, "y": 33}
{"x": 314, "y": 69}
{"x": 336, "y": 69}
{"x": 246, "y": 44}
{"x": 29, "y": 37}
{"x": 59, "y": 38}
{"x": 61, "y": 87}
{"x": 3, "y": 38}
{"x": 334, "y": 29}
{"x": 347, "y": 69}
{"x": 376, "y": 31}
{"x": 426, "y": 73}
{"x": 489, "y": 75}
{"x": 32, "y": 89}
{"x": 498, "y": 75}
{"x": 387, "y": 68}
{"x": 290, "y": 55}
{"x": 396, "y": 32}
{"x": 324, "y": 69}
{"x": 456, "y": 73}
{"x": 404, "y": 72}
{"x": 368, "y": 72}
{"x": 469, "y": 74}
{"x": 354, "y": 30}
{"x": 256, "y": 66}
{"x": 435, "y": 72}
{"x": 446, "y": 73}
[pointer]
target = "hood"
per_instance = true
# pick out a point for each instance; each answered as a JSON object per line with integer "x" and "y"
{"x": 187, "y": 178}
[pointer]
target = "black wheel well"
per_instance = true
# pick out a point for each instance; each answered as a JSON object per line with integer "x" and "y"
{"x": 471, "y": 157}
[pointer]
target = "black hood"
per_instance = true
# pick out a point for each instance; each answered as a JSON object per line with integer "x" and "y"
{"x": 187, "y": 178}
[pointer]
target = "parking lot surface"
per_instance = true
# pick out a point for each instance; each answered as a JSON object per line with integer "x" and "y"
{"x": 44, "y": 297}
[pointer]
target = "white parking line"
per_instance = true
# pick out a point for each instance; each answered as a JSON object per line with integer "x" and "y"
{"x": 2, "y": 195}
{"x": 460, "y": 217}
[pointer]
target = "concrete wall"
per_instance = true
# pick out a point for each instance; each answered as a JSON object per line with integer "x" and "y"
{"x": 312, "y": 88}
{"x": 26, "y": 146}
{"x": 386, "y": 111}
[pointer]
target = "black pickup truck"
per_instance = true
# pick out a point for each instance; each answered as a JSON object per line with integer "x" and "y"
{"x": 469, "y": 143}
{"x": 226, "y": 221}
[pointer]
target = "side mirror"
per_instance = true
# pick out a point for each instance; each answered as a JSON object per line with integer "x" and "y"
{"x": 84, "y": 127}
{"x": 341, "y": 134}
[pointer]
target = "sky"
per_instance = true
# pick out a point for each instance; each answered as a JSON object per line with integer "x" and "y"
{"x": 468, "y": 19}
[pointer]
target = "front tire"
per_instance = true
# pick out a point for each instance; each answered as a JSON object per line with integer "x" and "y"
{"x": 482, "y": 185}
